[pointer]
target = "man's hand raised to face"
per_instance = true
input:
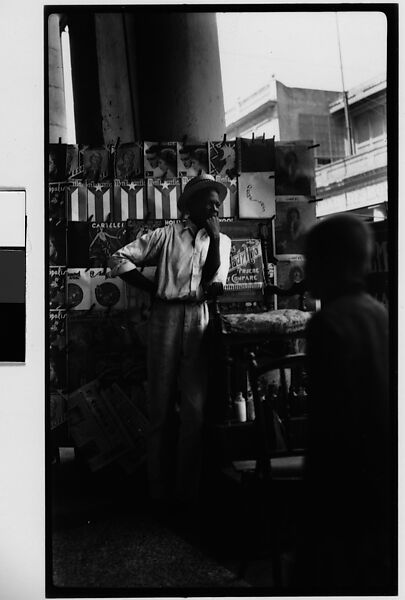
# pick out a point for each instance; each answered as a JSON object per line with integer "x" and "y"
{"x": 212, "y": 227}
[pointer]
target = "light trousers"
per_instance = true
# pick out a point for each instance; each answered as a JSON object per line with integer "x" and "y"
{"x": 176, "y": 363}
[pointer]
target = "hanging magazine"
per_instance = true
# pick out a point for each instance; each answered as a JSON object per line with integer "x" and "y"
{"x": 57, "y": 202}
{"x": 105, "y": 239}
{"x": 256, "y": 155}
{"x": 99, "y": 202}
{"x": 295, "y": 171}
{"x": 78, "y": 289}
{"x": 294, "y": 217}
{"x": 229, "y": 206}
{"x": 245, "y": 266}
{"x": 162, "y": 199}
{"x": 160, "y": 160}
{"x": 223, "y": 159}
{"x": 57, "y": 162}
{"x": 106, "y": 292}
{"x": 192, "y": 159}
{"x": 95, "y": 163}
{"x": 128, "y": 162}
{"x": 57, "y": 287}
{"x": 256, "y": 195}
{"x": 76, "y": 202}
{"x": 130, "y": 201}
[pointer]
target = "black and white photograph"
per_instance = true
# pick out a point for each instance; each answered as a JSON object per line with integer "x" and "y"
{"x": 208, "y": 405}
{"x": 204, "y": 436}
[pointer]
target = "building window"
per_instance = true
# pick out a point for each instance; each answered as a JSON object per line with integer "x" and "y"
{"x": 369, "y": 127}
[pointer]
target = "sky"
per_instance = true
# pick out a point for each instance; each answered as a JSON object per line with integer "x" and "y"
{"x": 300, "y": 49}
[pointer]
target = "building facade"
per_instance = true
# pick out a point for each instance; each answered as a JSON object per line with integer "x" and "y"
{"x": 351, "y": 161}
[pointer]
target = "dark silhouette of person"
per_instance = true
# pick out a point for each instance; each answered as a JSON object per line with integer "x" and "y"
{"x": 346, "y": 545}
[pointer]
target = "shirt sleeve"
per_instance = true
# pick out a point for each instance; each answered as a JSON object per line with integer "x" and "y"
{"x": 142, "y": 252}
{"x": 224, "y": 253}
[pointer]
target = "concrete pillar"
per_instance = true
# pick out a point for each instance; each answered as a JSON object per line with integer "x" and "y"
{"x": 57, "y": 105}
{"x": 147, "y": 75}
{"x": 86, "y": 90}
{"x": 179, "y": 76}
{"x": 113, "y": 77}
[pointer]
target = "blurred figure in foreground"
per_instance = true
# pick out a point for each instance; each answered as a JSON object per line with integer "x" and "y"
{"x": 348, "y": 538}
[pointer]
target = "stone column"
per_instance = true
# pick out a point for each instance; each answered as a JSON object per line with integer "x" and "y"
{"x": 113, "y": 77}
{"x": 57, "y": 106}
{"x": 179, "y": 76}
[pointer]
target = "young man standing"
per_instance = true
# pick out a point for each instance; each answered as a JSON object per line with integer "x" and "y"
{"x": 190, "y": 257}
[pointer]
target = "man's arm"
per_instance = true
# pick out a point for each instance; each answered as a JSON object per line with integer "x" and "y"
{"x": 136, "y": 279}
{"x": 213, "y": 260}
{"x": 141, "y": 252}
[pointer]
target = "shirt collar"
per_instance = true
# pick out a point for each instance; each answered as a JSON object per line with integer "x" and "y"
{"x": 192, "y": 227}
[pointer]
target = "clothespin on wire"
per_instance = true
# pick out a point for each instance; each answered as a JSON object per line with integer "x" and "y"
{"x": 224, "y": 139}
{"x": 253, "y": 136}
{"x": 263, "y": 137}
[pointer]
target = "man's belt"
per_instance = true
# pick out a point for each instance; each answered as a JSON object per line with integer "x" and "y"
{"x": 180, "y": 301}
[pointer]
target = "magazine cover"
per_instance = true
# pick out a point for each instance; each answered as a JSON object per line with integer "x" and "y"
{"x": 106, "y": 292}
{"x": 162, "y": 198}
{"x": 192, "y": 159}
{"x": 246, "y": 266}
{"x": 256, "y": 155}
{"x": 288, "y": 273}
{"x": 128, "y": 162}
{"x": 229, "y": 207}
{"x": 99, "y": 202}
{"x": 294, "y": 217}
{"x": 56, "y": 202}
{"x": 78, "y": 289}
{"x": 57, "y": 244}
{"x": 130, "y": 201}
{"x": 57, "y": 329}
{"x": 73, "y": 169}
{"x": 160, "y": 159}
{"x": 256, "y": 195}
{"x": 57, "y": 287}
{"x": 57, "y": 349}
{"x": 295, "y": 169}
{"x": 57, "y": 162}
{"x": 76, "y": 202}
{"x": 105, "y": 239}
{"x": 95, "y": 163}
{"x": 223, "y": 159}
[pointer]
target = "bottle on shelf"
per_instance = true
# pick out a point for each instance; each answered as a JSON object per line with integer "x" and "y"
{"x": 250, "y": 405}
{"x": 240, "y": 408}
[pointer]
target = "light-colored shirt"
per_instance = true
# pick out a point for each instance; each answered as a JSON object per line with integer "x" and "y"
{"x": 179, "y": 252}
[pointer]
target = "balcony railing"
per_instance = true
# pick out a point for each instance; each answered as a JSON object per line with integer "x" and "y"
{"x": 351, "y": 166}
